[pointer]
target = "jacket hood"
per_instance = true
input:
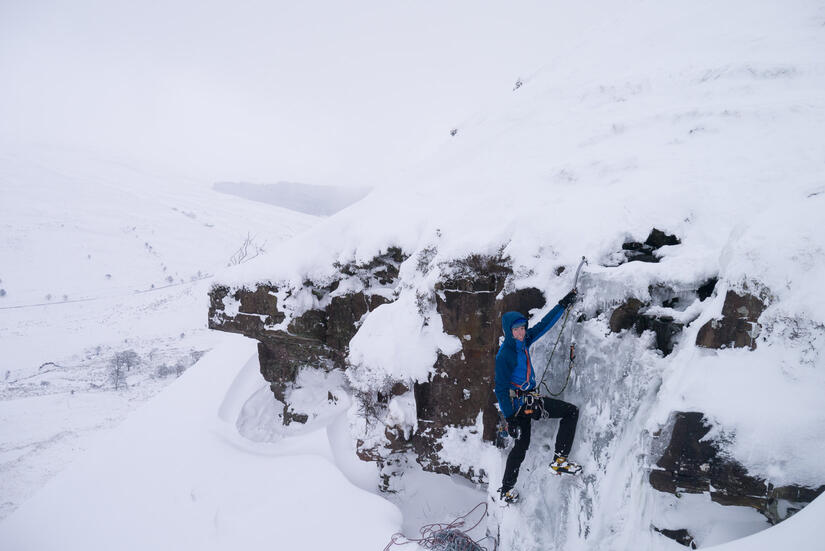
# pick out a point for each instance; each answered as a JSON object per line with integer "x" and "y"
{"x": 507, "y": 321}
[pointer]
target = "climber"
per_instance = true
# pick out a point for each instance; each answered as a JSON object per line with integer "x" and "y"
{"x": 519, "y": 400}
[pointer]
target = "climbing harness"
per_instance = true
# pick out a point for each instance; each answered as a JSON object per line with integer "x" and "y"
{"x": 445, "y": 537}
{"x": 530, "y": 401}
{"x": 572, "y": 355}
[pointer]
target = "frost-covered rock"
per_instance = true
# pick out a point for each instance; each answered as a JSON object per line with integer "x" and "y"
{"x": 308, "y": 327}
{"x": 693, "y": 463}
{"x": 738, "y": 327}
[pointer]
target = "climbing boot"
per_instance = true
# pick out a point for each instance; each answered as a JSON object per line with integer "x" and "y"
{"x": 562, "y": 466}
{"x": 508, "y": 496}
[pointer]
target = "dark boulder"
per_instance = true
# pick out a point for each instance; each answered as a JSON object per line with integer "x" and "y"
{"x": 691, "y": 464}
{"x": 658, "y": 239}
{"x": 629, "y": 315}
{"x": 706, "y": 289}
{"x": 681, "y": 536}
{"x": 625, "y": 316}
{"x": 635, "y": 251}
{"x": 738, "y": 327}
{"x": 665, "y": 329}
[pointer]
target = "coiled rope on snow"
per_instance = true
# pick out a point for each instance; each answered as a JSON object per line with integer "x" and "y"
{"x": 445, "y": 537}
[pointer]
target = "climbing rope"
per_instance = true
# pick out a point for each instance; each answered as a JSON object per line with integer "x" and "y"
{"x": 445, "y": 537}
{"x": 550, "y": 359}
{"x": 555, "y": 345}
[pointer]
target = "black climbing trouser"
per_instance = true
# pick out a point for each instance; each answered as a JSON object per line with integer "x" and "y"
{"x": 553, "y": 409}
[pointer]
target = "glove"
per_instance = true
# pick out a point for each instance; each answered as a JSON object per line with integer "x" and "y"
{"x": 536, "y": 412}
{"x": 513, "y": 429}
{"x": 569, "y": 299}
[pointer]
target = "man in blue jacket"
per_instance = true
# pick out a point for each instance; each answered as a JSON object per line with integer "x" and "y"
{"x": 519, "y": 400}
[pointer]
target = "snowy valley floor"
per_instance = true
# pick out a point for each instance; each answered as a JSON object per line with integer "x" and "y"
{"x": 103, "y": 261}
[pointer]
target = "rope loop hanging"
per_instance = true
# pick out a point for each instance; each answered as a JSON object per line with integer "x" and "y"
{"x": 572, "y": 356}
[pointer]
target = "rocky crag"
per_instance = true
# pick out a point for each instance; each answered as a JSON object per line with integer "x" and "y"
{"x": 469, "y": 295}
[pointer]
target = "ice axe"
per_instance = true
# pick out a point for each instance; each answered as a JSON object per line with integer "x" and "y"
{"x": 578, "y": 271}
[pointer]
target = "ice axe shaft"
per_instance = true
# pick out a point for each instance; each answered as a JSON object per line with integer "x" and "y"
{"x": 578, "y": 271}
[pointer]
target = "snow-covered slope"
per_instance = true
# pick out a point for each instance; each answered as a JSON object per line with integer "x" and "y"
{"x": 177, "y": 475}
{"x": 100, "y": 260}
{"x": 701, "y": 119}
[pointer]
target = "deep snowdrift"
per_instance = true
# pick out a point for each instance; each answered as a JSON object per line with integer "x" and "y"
{"x": 177, "y": 475}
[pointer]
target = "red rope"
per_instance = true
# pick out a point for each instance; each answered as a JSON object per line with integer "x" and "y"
{"x": 430, "y": 533}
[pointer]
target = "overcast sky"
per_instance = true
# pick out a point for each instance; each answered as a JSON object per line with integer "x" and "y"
{"x": 319, "y": 92}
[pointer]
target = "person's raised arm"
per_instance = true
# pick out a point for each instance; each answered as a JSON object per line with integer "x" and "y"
{"x": 548, "y": 321}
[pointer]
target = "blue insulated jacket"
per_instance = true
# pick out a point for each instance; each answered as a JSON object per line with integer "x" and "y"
{"x": 514, "y": 368}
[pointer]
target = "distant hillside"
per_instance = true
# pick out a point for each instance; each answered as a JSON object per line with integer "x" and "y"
{"x": 306, "y": 198}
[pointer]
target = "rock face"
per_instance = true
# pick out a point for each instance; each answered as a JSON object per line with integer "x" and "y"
{"x": 628, "y": 316}
{"x": 633, "y": 314}
{"x": 317, "y": 339}
{"x": 470, "y": 298}
{"x": 462, "y": 386}
{"x": 255, "y": 309}
{"x": 692, "y": 465}
{"x": 470, "y": 307}
{"x": 738, "y": 327}
{"x": 470, "y": 301}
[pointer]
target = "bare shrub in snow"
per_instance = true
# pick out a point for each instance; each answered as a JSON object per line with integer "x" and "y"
{"x": 180, "y": 367}
{"x": 120, "y": 363}
{"x": 370, "y": 408}
{"x": 425, "y": 258}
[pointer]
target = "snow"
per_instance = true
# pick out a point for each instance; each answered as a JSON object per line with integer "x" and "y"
{"x": 401, "y": 413}
{"x": 378, "y": 357}
{"x": 800, "y": 532}
{"x": 177, "y": 474}
{"x": 97, "y": 260}
{"x": 699, "y": 119}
